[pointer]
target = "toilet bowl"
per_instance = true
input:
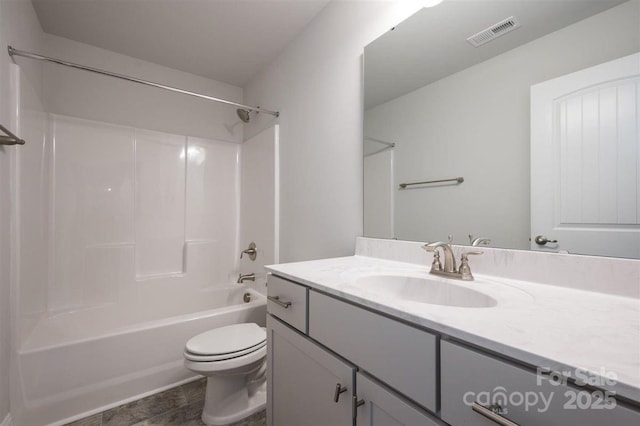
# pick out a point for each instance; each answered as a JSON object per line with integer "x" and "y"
{"x": 234, "y": 360}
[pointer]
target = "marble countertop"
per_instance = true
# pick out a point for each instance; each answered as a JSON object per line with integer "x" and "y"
{"x": 572, "y": 331}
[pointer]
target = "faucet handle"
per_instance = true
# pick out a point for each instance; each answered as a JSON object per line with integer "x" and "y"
{"x": 465, "y": 269}
{"x": 466, "y": 254}
{"x": 432, "y": 247}
{"x": 252, "y": 251}
{"x": 436, "y": 265}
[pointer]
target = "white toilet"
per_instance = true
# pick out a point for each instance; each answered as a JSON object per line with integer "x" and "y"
{"x": 234, "y": 360}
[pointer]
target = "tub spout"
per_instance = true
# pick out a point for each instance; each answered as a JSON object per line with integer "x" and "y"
{"x": 246, "y": 277}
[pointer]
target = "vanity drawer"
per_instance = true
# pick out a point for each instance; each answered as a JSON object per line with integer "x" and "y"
{"x": 468, "y": 376}
{"x": 402, "y": 356}
{"x": 287, "y": 301}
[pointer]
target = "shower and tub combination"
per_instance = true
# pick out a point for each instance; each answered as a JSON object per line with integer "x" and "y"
{"x": 129, "y": 245}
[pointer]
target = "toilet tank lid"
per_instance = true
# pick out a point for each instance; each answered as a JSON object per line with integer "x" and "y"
{"x": 226, "y": 340}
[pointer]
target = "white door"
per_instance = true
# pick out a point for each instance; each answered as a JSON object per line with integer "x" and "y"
{"x": 585, "y": 160}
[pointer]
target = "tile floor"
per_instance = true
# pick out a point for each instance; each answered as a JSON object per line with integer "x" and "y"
{"x": 179, "y": 406}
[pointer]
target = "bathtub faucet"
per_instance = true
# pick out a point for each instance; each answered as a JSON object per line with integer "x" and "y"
{"x": 246, "y": 277}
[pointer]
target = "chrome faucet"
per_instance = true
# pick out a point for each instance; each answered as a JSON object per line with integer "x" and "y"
{"x": 449, "y": 260}
{"x": 246, "y": 277}
{"x": 449, "y": 269}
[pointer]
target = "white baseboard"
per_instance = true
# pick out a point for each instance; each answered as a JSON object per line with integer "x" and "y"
{"x": 8, "y": 421}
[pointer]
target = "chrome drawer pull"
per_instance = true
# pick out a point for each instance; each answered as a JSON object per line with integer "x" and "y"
{"x": 492, "y": 414}
{"x": 277, "y": 301}
{"x": 339, "y": 390}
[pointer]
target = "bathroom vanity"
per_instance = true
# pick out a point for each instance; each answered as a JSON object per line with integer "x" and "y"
{"x": 371, "y": 341}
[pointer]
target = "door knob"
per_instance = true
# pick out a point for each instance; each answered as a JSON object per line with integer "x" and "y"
{"x": 542, "y": 240}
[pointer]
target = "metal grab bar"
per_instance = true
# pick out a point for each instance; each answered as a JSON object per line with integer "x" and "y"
{"x": 458, "y": 179}
{"x": 10, "y": 138}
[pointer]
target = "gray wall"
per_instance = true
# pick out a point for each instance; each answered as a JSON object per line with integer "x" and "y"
{"x": 316, "y": 84}
{"x": 475, "y": 124}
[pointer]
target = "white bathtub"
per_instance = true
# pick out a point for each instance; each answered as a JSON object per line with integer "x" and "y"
{"x": 78, "y": 363}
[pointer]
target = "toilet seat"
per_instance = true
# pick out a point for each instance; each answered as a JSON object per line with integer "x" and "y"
{"x": 210, "y": 358}
{"x": 235, "y": 365}
{"x": 225, "y": 343}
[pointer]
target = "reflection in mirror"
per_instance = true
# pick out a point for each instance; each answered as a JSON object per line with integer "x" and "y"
{"x": 541, "y": 121}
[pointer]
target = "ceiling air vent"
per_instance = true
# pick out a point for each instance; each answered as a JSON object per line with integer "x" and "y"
{"x": 494, "y": 31}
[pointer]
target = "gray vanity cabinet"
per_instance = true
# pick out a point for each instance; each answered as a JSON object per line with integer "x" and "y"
{"x": 307, "y": 372}
{"x": 302, "y": 381}
{"x": 395, "y": 374}
{"x": 381, "y": 407}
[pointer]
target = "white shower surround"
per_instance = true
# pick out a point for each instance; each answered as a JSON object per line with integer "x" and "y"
{"x": 112, "y": 215}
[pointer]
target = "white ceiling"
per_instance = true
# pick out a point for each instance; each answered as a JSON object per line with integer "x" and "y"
{"x": 225, "y": 40}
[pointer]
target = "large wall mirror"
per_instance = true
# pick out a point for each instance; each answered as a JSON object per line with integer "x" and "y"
{"x": 514, "y": 121}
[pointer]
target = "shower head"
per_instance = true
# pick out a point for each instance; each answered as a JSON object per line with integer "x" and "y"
{"x": 244, "y": 114}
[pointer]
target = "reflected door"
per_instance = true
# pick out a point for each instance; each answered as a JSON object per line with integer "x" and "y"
{"x": 585, "y": 161}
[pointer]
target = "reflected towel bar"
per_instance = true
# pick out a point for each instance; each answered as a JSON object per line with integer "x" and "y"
{"x": 458, "y": 180}
{"x": 10, "y": 138}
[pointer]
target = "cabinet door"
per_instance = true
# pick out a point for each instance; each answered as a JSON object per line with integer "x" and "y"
{"x": 302, "y": 380}
{"x": 403, "y": 357}
{"x": 383, "y": 408}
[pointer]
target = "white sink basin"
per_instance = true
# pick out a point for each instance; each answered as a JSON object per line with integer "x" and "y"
{"x": 423, "y": 290}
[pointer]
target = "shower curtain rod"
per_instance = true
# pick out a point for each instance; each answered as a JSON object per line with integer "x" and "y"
{"x": 15, "y": 52}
